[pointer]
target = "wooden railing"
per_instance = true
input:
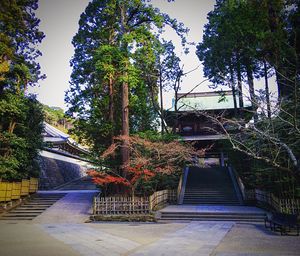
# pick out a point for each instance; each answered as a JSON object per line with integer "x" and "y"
{"x": 121, "y": 205}
{"x": 159, "y": 199}
{"x": 267, "y": 199}
{"x": 10, "y": 191}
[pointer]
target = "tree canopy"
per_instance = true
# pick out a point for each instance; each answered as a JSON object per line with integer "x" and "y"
{"x": 244, "y": 40}
{"x": 115, "y": 69}
{"x": 21, "y": 115}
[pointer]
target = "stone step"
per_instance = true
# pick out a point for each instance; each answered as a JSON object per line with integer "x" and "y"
{"x": 210, "y": 219}
{"x": 26, "y": 210}
{"x": 33, "y": 215}
{"x": 209, "y": 199}
{"x": 32, "y": 208}
{"x": 36, "y": 205}
{"x": 213, "y": 203}
{"x": 206, "y": 216}
{"x": 209, "y": 195}
{"x": 45, "y": 197}
{"x": 16, "y": 218}
{"x": 209, "y": 191}
{"x": 45, "y": 200}
{"x": 201, "y": 200}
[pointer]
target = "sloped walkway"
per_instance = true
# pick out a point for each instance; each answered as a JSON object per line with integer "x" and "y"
{"x": 75, "y": 207}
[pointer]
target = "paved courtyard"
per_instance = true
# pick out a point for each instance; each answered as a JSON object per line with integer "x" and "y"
{"x": 62, "y": 230}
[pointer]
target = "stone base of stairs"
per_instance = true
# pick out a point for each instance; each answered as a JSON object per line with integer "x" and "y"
{"x": 31, "y": 208}
{"x": 179, "y": 213}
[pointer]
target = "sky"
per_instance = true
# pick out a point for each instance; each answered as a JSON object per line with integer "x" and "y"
{"x": 59, "y": 22}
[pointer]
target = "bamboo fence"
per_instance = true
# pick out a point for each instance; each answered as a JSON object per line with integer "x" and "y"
{"x": 124, "y": 205}
{"x": 283, "y": 205}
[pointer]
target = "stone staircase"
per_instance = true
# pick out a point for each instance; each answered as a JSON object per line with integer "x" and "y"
{"x": 210, "y": 186}
{"x": 210, "y": 195}
{"x": 33, "y": 207}
{"x": 236, "y": 215}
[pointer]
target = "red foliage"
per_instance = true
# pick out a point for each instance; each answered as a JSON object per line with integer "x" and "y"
{"x": 102, "y": 178}
{"x": 133, "y": 175}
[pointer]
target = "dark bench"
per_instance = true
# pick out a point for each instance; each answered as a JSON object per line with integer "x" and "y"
{"x": 282, "y": 222}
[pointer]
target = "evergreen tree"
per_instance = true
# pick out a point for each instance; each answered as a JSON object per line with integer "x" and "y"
{"x": 20, "y": 115}
{"x": 110, "y": 93}
{"x": 244, "y": 40}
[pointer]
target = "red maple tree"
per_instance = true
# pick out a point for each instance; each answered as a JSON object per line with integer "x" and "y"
{"x": 134, "y": 175}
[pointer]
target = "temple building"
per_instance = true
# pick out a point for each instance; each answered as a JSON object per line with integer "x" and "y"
{"x": 61, "y": 143}
{"x": 195, "y": 119}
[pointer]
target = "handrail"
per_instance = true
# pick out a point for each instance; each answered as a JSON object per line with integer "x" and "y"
{"x": 240, "y": 183}
{"x": 237, "y": 184}
{"x": 179, "y": 186}
{"x": 183, "y": 185}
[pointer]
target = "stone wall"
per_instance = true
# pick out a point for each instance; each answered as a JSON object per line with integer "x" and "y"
{"x": 57, "y": 170}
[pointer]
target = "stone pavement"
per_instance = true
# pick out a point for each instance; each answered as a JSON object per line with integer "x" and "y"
{"x": 61, "y": 230}
{"x": 24, "y": 239}
{"x": 255, "y": 240}
{"x": 190, "y": 239}
{"x": 137, "y": 239}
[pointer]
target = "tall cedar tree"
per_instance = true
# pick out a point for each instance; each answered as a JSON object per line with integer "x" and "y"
{"x": 109, "y": 92}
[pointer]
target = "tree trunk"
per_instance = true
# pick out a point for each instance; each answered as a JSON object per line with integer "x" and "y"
{"x": 111, "y": 107}
{"x": 267, "y": 90}
{"x": 240, "y": 88}
{"x": 11, "y": 127}
{"x": 252, "y": 92}
{"x": 125, "y": 99}
{"x": 161, "y": 103}
{"x": 125, "y": 122}
{"x": 233, "y": 91}
{"x": 175, "y": 106}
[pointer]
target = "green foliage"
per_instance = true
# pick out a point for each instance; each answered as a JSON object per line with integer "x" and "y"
{"x": 243, "y": 40}
{"x": 241, "y": 35}
{"x": 116, "y": 44}
{"x": 56, "y": 117}
{"x": 158, "y": 137}
{"x": 21, "y": 116}
{"x": 19, "y": 148}
{"x": 18, "y": 36}
{"x": 53, "y": 115}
